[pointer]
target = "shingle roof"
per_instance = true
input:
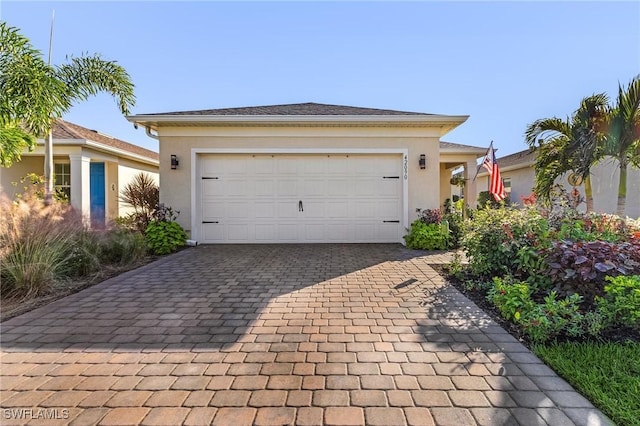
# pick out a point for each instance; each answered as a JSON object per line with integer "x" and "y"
{"x": 66, "y": 130}
{"x": 309, "y": 108}
{"x": 521, "y": 157}
{"x": 451, "y": 145}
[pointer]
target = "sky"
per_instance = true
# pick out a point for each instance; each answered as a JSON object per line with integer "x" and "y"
{"x": 503, "y": 63}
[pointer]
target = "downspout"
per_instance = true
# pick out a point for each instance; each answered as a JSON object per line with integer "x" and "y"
{"x": 147, "y": 129}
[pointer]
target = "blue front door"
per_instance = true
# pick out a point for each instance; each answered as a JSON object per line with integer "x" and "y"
{"x": 96, "y": 189}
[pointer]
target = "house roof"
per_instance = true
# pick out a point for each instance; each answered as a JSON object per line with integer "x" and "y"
{"x": 65, "y": 130}
{"x": 457, "y": 147}
{"x": 308, "y": 108}
{"x": 299, "y": 115}
{"x": 519, "y": 158}
{"x": 514, "y": 161}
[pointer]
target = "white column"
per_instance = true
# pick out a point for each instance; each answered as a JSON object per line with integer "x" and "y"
{"x": 80, "y": 181}
{"x": 470, "y": 187}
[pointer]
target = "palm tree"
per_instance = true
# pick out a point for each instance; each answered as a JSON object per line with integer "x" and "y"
{"x": 571, "y": 145}
{"x": 622, "y": 140}
{"x": 33, "y": 94}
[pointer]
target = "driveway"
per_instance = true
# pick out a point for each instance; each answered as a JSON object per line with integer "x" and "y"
{"x": 277, "y": 335}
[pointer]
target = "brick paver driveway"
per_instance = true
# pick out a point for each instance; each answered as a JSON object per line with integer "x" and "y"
{"x": 277, "y": 335}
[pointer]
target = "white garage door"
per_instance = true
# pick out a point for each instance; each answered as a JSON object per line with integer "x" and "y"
{"x": 266, "y": 198}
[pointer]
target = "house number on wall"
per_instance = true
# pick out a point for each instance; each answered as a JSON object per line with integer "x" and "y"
{"x": 406, "y": 166}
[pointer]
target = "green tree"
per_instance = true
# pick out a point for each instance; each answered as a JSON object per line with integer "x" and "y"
{"x": 33, "y": 94}
{"x": 571, "y": 145}
{"x": 622, "y": 140}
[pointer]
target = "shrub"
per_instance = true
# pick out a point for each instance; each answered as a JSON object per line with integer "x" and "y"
{"x": 163, "y": 235}
{"x": 495, "y": 237}
{"x": 143, "y": 195}
{"x": 83, "y": 256}
{"x": 36, "y": 242}
{"x": 486, "y": 200}
{"x": 122, "y": 247}
{"x": 540, "y": 321}
{"x": 511, "y": 299}
{"x": 456, "y": 228}
{"x": 581, "y": 267}
{"x": 621, "y": 303}
{"x": 430, "y": 216}
{"x": 423, "y": 236}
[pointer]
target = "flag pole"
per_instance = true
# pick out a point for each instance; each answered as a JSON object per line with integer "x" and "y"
{"x": 485, "y": 156}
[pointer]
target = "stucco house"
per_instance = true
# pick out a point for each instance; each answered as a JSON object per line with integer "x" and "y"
{"x": 303, "y": 172}
{"x": 91, "y": 168}
{"x": 519, "y": 179}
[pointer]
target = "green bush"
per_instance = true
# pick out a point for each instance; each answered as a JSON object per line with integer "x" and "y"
{"x": 431, "y": 236}
{"x": 486, "y": 200}
{"x": 164, "y": 237}
{"x": 122, "y": 247}
{"x": 541, "y": 322}
{"x": 36, "y": 242}
{"x": 621, "y": 303}
{"x": 495, "y": 238}
{"x": 83, "y": 256}
{"x": 456, "y": 228}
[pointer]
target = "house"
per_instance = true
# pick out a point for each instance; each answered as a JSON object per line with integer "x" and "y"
{"x": 303, "y": 172}
{"x": 517, "y": 171}
{"x": 91, "y": 168}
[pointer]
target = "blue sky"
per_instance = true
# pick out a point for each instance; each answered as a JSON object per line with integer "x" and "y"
{"x": 505, "y": 64}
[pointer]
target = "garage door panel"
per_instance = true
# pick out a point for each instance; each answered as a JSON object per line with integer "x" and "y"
{"x": 265, "y": 232}
{"x": 287, "y": 232}
{"x": 213, "y": 233}
{"x": 263, "y": 165}
{"x": 212, "y": 188}
{"x": 212, "y": 210}
{"x": 388, "y": 187}
{"x": 236, "y": 166}
{"x": 345, "y": 198}
{"x": 315, "y": 232}
{"x": 235, "y": 187}
{"x": 287, "y": 187}
{"x": 339, "y": 187}
{"x": 364, "y": 188}
{"x": 287, "y": 165}
{"x": 314, "y": 187}
{"x": 338, "y": 209}
{"x": 265, "y": 187}
{"x": 314, "y": 209}
{"x": 264, "y": 210}
{"x": 364, "y": 209}
{"x": 237, "y": 209}
{"x": 237, "y": 232}
{"x": 288, "y": 209}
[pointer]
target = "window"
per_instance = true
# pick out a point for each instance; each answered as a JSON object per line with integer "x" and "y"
{"x": 62, "y": 182}
{"x": 507, "y": 185}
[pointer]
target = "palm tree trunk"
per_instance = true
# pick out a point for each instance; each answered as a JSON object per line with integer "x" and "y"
{"x": 48, "y": 169}
{"x": 622, "y": 189}
{"x": 588, "y": 193}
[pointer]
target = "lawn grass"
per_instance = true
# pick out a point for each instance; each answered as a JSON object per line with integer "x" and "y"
{"x": 608, "y": 374}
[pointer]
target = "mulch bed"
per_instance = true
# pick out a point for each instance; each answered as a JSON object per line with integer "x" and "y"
{"x": 617, "y": 335}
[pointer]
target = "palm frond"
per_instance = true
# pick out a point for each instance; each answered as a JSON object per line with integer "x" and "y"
{"x": 86, "y": 76}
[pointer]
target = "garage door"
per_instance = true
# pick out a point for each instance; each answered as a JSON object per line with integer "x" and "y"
{"x": 266, "y": 198}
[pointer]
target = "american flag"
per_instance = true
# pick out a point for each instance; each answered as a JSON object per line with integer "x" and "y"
{"x": 496, "y": 185}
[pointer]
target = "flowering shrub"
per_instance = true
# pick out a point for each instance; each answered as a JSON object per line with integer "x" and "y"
{"x": 497, "y": 237}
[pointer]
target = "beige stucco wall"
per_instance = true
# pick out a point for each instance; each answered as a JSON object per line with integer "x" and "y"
{"x": 118, "y": 172}
{"x": 126, "y": 171}
{"x": 17, "y": 171}
{"x": 604, "y": 181}
{"x": 175, "y": 185}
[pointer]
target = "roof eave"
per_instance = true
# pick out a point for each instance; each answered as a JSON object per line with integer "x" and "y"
{"x": 155, "y": 121}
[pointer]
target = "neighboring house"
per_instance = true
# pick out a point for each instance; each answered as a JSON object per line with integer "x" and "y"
{"x": 519, "y": 179}
{"x": 89, "y": 167}
{"x": 303, "y": 172}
